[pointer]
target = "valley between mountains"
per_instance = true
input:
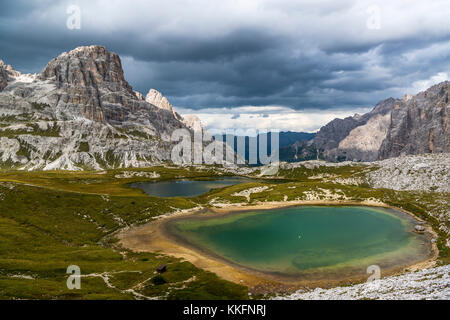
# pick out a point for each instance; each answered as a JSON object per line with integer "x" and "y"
{"x": 75, "y": 136}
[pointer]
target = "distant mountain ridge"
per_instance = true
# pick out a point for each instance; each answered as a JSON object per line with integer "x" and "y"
{"x": 287, "y": 142}
{"x": 80, "y": 113}
{"x": 412, "y": 125}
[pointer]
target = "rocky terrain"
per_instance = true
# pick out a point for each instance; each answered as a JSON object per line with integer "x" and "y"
{"x": 422, "y": 173}
{"x": 429, "y": 172}
{"x": 79, "y": 113}
{"x": 429, "y": 284}
{"x": 408, "y": 126}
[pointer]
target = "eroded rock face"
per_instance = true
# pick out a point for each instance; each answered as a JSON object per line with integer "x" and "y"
{"x": 408, "y": 126}
{"x": 139, "y": 95}
{"x": 363, "y": 142}
{"x": 356, "y": 138}
{"x": 91, "y": 84}
{"x": 419, "y": 124}
{"x": 3, "y": 76}
{"x": 157, "y": 99}
{"x": 330, "y": 135}
{"x": 78, "y": 113}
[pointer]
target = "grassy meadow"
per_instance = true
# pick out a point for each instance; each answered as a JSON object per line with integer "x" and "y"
{"x": 50, "y": 220}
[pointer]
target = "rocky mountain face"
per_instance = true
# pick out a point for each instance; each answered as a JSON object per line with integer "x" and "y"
{"x": 80, "y": 113}
{"x": 419, "y": 124}
{"x": 411, "y": 125}
{"x": 157, "y": 99}
{"x": 7, "y": 73}
{"x": 355, "y": 138}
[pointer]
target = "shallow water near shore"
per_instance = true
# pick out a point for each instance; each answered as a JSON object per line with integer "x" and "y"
{"x": 184, "y": 187}
{"x": 310, "y": 242}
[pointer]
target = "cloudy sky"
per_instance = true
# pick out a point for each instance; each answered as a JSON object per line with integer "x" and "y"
{"x": 247, "y": 64}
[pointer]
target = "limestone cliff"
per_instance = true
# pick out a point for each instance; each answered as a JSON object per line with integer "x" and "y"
{"x": 411, "y": 125}
{"x": 419, "y": 124}
{"x": 79, "y": 113}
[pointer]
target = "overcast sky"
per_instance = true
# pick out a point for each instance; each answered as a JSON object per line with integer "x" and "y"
{"x": 290, "y": 65}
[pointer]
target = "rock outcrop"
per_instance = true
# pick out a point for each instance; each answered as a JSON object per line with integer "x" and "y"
{"x": 157, "y": 99}
{"x": 419, "y": 124}
{"x": 355, "y": 138}
{"x": 8, "y": 74}
{"x": 80, "y": 113}
{"x": 411, "y": 125}
{"x": 3, "y": 76}
{"x": 427, "y": 172}
{"x": 425, "y": 284}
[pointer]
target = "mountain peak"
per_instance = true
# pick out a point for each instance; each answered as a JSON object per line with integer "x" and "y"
{"x": 82, "y": 113}
{"x": 411, "y": 125}
{"x": 191, "y": 121}
{"x": 157, "y": 99}
{"x": 89, "y": 66}
{"x": 94, "y": 51}
{"x": 407, "y": 97}
{"x": 91, "y": 48}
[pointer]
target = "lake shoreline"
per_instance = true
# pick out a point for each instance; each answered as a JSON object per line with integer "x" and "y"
{"x": 155, "y": 237}
{"x": 172, "y": 188}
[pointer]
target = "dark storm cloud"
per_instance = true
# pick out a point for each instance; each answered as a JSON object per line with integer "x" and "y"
{"x": 223, "y": 48}
{"x": 308, "y": 54}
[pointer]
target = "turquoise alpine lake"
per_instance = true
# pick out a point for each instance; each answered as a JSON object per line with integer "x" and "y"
{"x": 185, "y": 188}
{"x": 313, "y": 241}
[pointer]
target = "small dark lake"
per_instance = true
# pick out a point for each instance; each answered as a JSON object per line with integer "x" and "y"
{"x": 185, "y": 188}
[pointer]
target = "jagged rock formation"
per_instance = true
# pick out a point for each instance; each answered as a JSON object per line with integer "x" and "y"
{"x": 364, "y": 141}
{"x": 419, "y": 124}
{"x": 80, "y": 112}
{"x": 330, "y": 135}
{"x": 3, "y": 75}
{"x": 355, "y": 138}
{"x": 157, "y": 99}
{"x": 8, "y": 74}
{"x": 411, "y": 125}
